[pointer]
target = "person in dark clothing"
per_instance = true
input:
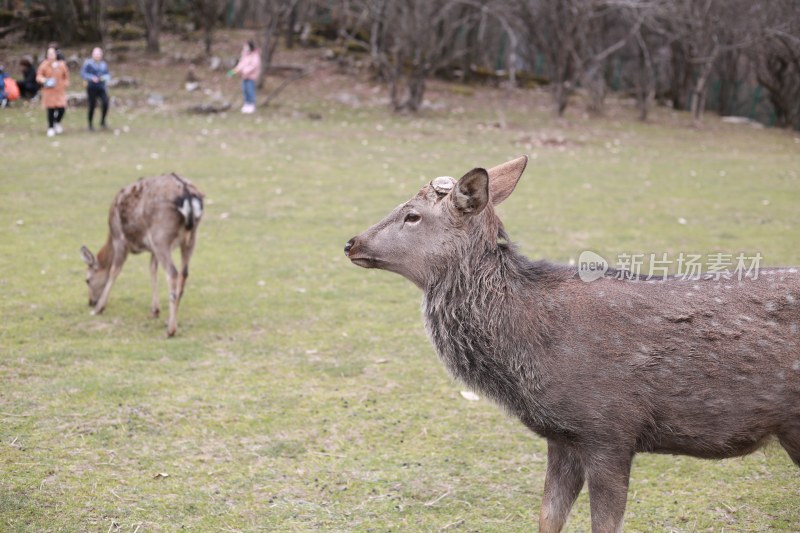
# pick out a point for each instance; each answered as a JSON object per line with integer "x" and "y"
{"x": 28, "y": 88}
{"x": 95, "y": 72}
{"x": 3, "y": 98}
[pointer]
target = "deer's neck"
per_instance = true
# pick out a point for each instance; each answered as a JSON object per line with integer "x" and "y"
{"x": 106, "y": 255}
{"x": 489, "y": 318}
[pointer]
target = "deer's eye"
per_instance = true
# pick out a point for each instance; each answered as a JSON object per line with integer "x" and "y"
{"x": 412, "y": 217}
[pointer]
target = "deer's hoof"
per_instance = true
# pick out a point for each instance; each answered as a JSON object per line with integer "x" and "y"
{"x": 154, "y": 313}
{"x": 171, "y": 332}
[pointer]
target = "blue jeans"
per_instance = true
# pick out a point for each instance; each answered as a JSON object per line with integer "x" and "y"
{"x": 249, "y": 90}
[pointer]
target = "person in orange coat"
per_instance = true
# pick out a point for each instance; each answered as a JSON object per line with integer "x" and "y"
{"x": 53, "y": 75}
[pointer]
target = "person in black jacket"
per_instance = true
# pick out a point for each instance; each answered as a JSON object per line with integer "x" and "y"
{"x": 95, "y": 72}
{"x": 28, "y": 87}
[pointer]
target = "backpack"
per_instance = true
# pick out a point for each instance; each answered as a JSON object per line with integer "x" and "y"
{"x": 11, "y": 89}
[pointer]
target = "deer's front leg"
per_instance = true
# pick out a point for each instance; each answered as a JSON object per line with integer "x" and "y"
{"x": 608, "y": 474}
{"x": 563, "y": 482}
{"x": 100, "y": 306}
{"x": 155, "y": 306}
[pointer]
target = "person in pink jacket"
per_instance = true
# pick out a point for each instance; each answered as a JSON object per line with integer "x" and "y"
{"x": 249, "y": 68}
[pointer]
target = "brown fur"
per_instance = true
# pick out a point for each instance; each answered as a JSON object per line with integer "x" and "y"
{"x": 602, "y": 370}
{"x": 147, "y": 216}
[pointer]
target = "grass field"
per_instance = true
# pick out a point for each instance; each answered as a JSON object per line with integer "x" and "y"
{"x": 300, "y": 392}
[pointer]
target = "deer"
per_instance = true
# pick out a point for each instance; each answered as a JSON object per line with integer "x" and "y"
{"x": 602, "y": 370}
{"x": 154, "y": 214}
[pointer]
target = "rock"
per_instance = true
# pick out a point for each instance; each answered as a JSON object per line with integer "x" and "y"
{"x": 123, "y": 81}
{"x": 207, "y": 108}
{"x": 77, "y": 99}
{"x": 155, "y": 99}
{"x": 190, "y": 75}
{"x": 433, "y": 106}
{"x": 347, "y": 99}
{"x": 192, "y": 86}
{"x": 74, "y": 62}
{"x": 742, "y": 120}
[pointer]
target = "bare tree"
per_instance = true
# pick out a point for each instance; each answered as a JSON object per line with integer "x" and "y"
{"x": 152, "y": 13}
{"x": 645, "y": 75}
{"x": 701, "y": 31}
{"x": 576, "y": 38}
{"x": 76, "y": 20}
{"x": 67, "y": 29}
{"x": 777, "y": 59}
{"x": 94, "y": 18}
{"x": 552, "y": 30}
{"x": 274, "y": 17}
{"x": 411, "y": 40}
{"x": 207, "y": 13}
{"x": 610, "y": 27}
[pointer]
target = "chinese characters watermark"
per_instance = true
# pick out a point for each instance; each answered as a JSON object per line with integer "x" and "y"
{"x": 657, "y": 267}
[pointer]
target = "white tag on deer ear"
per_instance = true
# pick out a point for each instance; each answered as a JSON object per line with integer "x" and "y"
{"x": 443, "y": 184}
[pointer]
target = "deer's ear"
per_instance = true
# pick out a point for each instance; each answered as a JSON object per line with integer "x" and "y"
{"x": 471, "y": 193}
{"x": 503, "y": 178}
{"x": 87, "y": 256}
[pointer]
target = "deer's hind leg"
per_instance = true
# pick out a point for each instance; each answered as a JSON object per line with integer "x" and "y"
{"x": 165, "y": 258}
{"x": 790, "y": 440}
{"x": 155, "y": 306}
{"x": 187, "y": 248}
{"x": 608, "y": 474}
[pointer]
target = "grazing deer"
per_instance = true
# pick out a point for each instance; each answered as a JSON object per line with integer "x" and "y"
{"x": 156, "y": 215}
{"x": 602, "y": 370}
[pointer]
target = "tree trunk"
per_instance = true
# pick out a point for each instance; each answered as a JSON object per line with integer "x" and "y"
{"x": 560, "y": 97}
{"x": 376, "y": 40}
{"x": 701, "y": 87}
{"x": 153, "y": 40}
{"x": 270, "y": 42}
{"x": 728, "y": 72}
{"x": 680, "y": 74}
{"x": 94, "y": 17}
{"x": 646, "y": 86}
{"x": 65, "y": 16}
{"x": 773, "y": 79}
{"x": 290, "y": 23}
{"x": 208, "y": 38}
{"x": 596, "y": 85}
{"x": 152, "y": 12}
{"x": 416, "y": 90}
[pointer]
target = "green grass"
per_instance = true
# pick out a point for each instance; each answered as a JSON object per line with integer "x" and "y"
{"x": 300, "y": 392}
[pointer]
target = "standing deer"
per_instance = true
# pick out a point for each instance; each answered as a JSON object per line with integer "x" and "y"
{"x": 602, "y": 370}
{"x": 156, "y": 215}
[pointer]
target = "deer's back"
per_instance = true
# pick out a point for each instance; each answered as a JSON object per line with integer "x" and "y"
{"x": 709, "y": 368}
{"x": 145, "y": 212}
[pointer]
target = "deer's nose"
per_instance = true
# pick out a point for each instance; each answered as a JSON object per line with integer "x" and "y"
{"x": 348, "y": 246}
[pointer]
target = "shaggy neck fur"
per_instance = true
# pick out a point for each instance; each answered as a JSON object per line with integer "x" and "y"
{"x": 489, "y": 315}
{"x": 105, "y": 255}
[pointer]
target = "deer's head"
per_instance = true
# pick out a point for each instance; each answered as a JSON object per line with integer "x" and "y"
{"x": 96, "y": 275}
{"x": 445, "y": 216}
